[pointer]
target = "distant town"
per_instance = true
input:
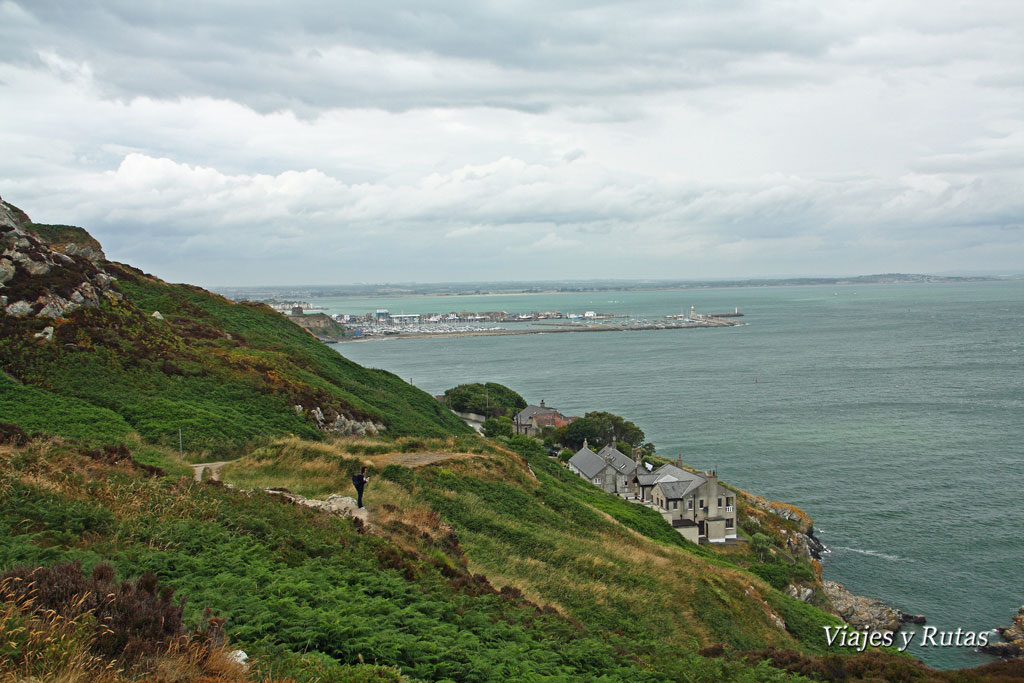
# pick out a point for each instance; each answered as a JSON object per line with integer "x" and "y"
{"x": 381, "y": 323}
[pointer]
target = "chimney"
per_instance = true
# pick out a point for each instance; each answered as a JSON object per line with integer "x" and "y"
{"x": 679, "y": 462}
{"x": 542, "y": 403}
{"x": 585, "y": 442}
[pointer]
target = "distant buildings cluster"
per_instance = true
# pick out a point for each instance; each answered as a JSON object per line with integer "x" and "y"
{"x": 384, "y": 317}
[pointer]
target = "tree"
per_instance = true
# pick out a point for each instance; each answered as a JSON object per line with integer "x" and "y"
{"x": 762, "y": 545}
{"x": 484, "y": 399}
{"x": 494, "y": 427}
{"x": 599, "y": 429}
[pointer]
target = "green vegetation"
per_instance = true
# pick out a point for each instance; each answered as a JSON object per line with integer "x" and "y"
{"x": 308, "y": 595}
{"x": 599, "y": 429}
{"x": 494, "y": 427}
{"x": 59, "y": 236}
{"x": 226, "y": 374}
{"x": 38, "y": 411}
{"x": 484, "y": 399}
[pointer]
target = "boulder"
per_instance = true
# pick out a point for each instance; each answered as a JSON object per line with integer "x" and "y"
{"x": 19, "y": 309}
{"x": 46, "y": 334}
{"x": 157, "y": 315}
{"x": 801, "y": 593}
{"x": 36, "y": 268}
{"x": 6, "y": 270}
{"x": 56, "y": 307}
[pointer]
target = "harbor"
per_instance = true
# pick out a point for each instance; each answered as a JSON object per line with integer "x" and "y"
{"x": 389, "y": 329}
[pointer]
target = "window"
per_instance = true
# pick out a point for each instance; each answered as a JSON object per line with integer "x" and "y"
{"x": 719, "y": 502}
{"x": 689, "y": 503}
{"x": 597, "y": 480}
{"x": 675, "y": 504}
{"x": 701, "y": 504}
{"x": 729, "y": 523}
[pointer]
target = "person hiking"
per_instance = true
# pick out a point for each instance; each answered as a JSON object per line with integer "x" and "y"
{"x": 360, "y": 480}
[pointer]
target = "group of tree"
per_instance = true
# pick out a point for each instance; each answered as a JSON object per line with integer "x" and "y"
{"x": 489, "y": 399}
{"x": 500, "y": 404}
{"x": 599, "y": 428}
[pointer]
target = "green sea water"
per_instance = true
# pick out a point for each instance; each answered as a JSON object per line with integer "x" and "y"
{"x": 892, "y": 414}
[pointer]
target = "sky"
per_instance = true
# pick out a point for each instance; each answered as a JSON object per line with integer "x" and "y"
{"x": 223, "y": 143}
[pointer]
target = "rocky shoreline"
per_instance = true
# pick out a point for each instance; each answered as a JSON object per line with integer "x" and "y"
{"x": 863, "y": 612}
{"x": 1013, "y": 639}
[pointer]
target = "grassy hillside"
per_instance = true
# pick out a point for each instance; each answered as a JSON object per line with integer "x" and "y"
{"x": 306, "y": 594}
{"x": 225, "y": 373}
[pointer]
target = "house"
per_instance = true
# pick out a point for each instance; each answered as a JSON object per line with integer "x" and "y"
{"x": 697, "y": 505}
{"x": 532, "y": 419}
{"x": 608, "y": 469}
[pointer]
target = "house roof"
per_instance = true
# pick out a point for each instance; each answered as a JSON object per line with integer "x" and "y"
{"x": 529, "y": 411}
{"x": 549, "y": 419}
{"x": 678, "y": 489}
{"x": 647, "y": 479}
{"x": 619, "y": 460}
{"x": 588, "y": 462}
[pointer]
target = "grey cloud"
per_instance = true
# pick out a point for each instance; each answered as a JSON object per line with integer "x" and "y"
{"x": 309, "y": 55}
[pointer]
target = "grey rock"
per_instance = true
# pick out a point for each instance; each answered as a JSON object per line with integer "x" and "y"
{"x": 85, "y": 251}
{"x": 7, "y": 270}
{"x": 37, "y": 267}
{"x": 157, "y": 315}
{"x": 801, "y": 593}
{"x": 19, "y": 309}
{"x": 46, "y": 334}
{"x": 56, "y": 307}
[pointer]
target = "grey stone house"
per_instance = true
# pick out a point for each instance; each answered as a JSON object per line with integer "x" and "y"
{"x": 697, "y": 505}
{"x": 609, "y": 469}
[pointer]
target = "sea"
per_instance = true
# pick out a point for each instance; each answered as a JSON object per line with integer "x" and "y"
{"x": 893, "y": 414}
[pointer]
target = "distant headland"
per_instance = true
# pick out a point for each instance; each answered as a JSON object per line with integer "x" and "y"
{"x": 508, "y": 288}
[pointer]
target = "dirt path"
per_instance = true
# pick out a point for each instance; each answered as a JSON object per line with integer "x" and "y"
{"x": 214, "y": 468}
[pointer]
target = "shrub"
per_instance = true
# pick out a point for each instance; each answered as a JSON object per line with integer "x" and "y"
{"x": 133, "y": 618}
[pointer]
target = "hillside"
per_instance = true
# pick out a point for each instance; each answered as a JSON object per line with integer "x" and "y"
{"x": 153, "y": 357}
{"x": 480, "y": 560}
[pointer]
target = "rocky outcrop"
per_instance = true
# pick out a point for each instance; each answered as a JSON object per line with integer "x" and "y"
{"x": 335, "y": 504}
{"x": 801, "y": 593}
{"x": 861, "y": 612}
{"x": 1012, "y": 644}
{"x": 801, "y": 542}
{"x": 37, "y": 280}
{"x": 342, "y": 425}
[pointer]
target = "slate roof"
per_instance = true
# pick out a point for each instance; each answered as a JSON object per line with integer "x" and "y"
{"x": 619, "y": 460}
{"x": 529, "y": 411}
{"x": 678, "y": 489}
{"x": 587, "y": 462}
{"x": 647, "y": 479}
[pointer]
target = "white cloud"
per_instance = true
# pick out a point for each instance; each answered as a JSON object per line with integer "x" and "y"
{"x": 653, "y": 139}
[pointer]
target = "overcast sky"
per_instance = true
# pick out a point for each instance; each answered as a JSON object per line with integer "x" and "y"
{"x": 322, "y": 142}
